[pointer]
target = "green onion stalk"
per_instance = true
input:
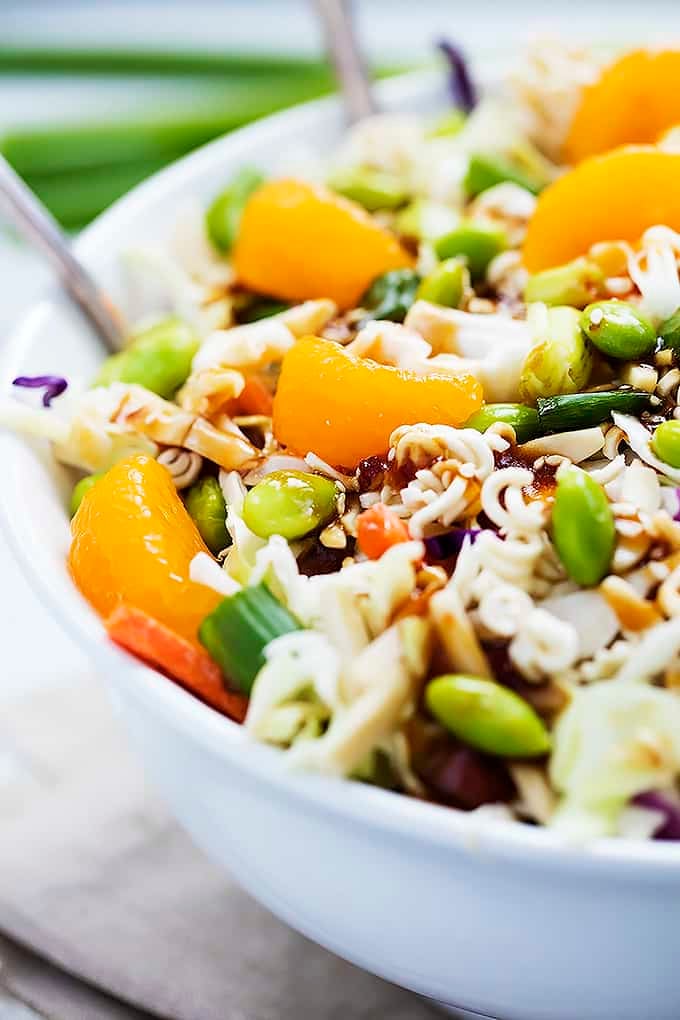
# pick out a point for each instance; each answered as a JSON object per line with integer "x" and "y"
{"x": 78, "y": 169}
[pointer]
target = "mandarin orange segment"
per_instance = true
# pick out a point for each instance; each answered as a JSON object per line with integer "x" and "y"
{"x": 133, "y": 542}
{"x": 299, "y": 240}
{"x": 634, "y": 100}
{"x": 611, "y": 197}
{"x": 344, "y": 408}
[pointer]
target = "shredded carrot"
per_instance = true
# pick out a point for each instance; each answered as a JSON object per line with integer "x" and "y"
{"x": 255, "y": 398}
{"x": 183, "y": 661}
{"x": 378, "y": 529}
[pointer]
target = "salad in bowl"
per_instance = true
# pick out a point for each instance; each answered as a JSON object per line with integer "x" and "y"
{"x": 388, "y": 471}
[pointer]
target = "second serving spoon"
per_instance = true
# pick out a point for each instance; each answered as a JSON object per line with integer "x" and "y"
{"x": 36, "y": 225}
{"x": 344, "y": 50}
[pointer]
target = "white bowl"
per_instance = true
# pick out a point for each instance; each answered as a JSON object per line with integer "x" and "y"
{"x": 491, "y": 916}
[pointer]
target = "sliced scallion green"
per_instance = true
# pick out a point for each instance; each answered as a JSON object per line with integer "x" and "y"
{"x": 238, "y": 631}
{"x": 570, "y": 411}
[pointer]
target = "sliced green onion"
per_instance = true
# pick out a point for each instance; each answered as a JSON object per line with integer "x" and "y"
{"x": 238, "y": 631}
{"x": 584, "y": 410}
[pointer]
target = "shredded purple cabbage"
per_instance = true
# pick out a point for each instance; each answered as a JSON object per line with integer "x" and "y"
{"x": 461, "y": 86}
{"x": 54, "y": 385}
{"x": 676, "y": 515}
{"x": 668, "y": 806}
{"x": 450, "y": 543}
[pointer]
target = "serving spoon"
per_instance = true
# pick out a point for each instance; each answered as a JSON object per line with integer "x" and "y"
{"x": 345, "y": 53}
{"x": 37, "y": 226}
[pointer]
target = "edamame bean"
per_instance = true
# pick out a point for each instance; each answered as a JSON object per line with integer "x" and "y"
{"x": 485, "y": 171}
{"x": 571, "y": 284}
{"x": 290, "y": 503}
{"x": 391, "y": 295}
{"x": 561, "y": 360}
{"x": 446, "y": 284}
{"x": 425, "y": 220}
{"x": 669, "y": 331}
{"x": 523, "y": 419}
{"x": 223, "y": 217}
{"x": 205, "y": 503}
{"x": 618, "y": 329}
{"x": 80, "y": 489}
{"x": 158, "y": 358}
{"x": 487, "y": 716}
{"x": 582, "y": 527}
{"x": 476, "y": 242}
{"x": 666, "y": 442}
{"x": 374, "y": 189}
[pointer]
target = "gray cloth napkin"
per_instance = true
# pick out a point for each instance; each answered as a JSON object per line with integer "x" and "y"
{"x": 31, "y": 989}
{"x": 98, "y": 880}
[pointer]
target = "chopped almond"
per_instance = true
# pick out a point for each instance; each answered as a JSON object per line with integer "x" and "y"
{"x": 634, "y": 612}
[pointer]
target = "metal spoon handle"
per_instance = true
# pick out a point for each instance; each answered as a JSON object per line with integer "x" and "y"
{"x": 37, "y": 225}
{"x": 343, "y": 47}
